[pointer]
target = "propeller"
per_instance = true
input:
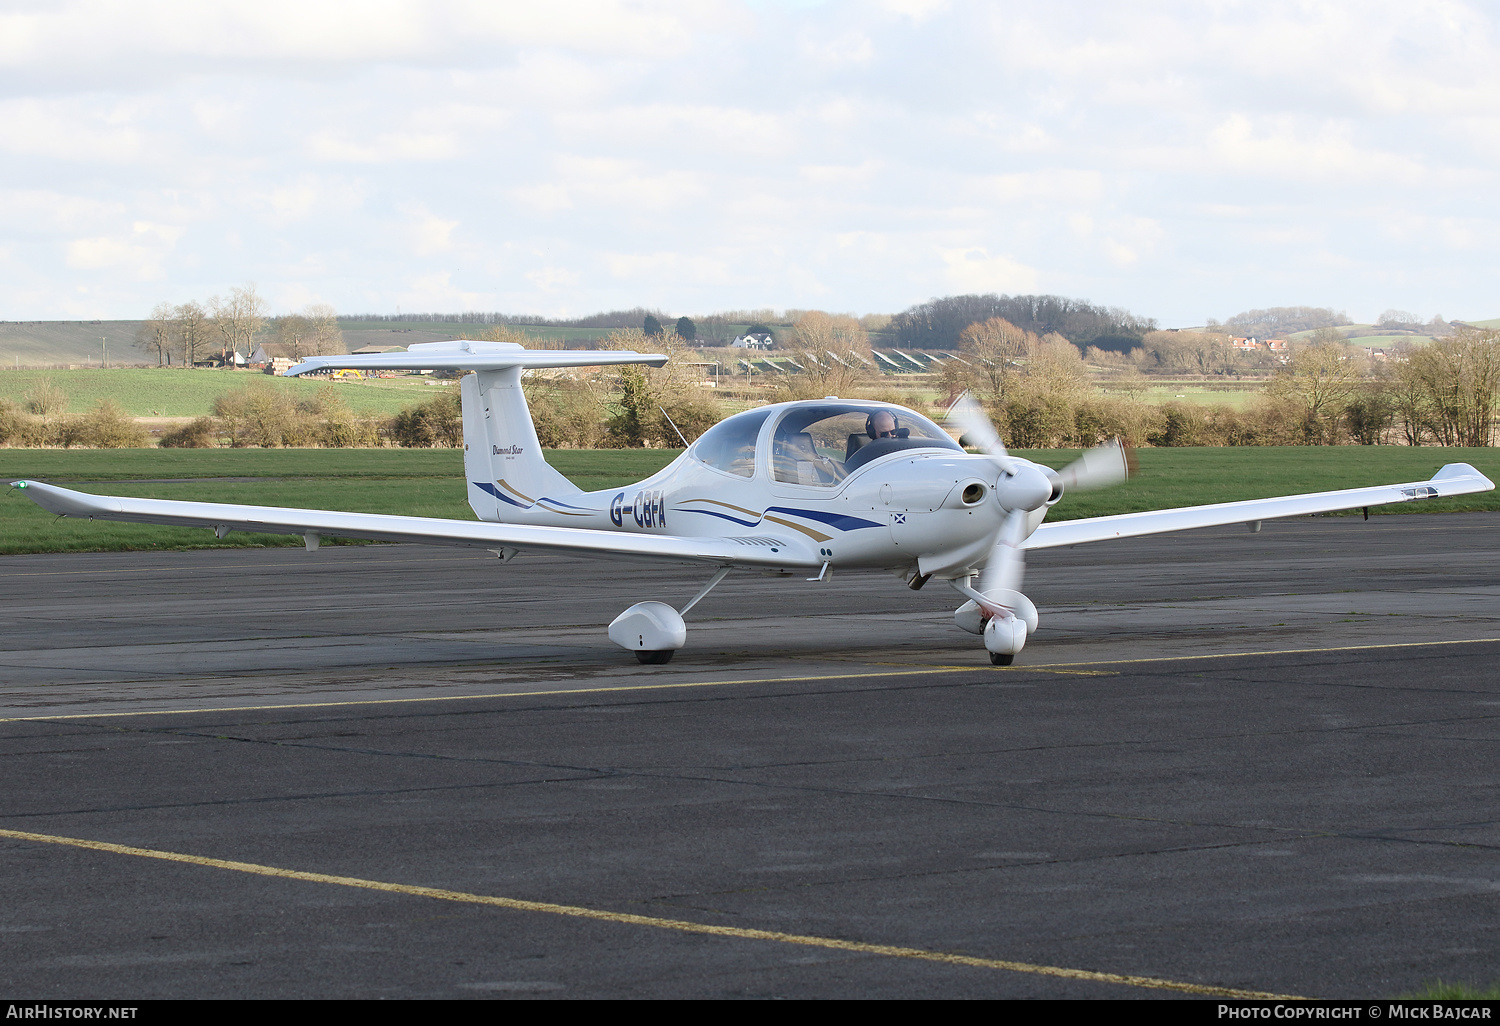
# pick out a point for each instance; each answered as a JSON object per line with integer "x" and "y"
{"x": 1022, "y": 489}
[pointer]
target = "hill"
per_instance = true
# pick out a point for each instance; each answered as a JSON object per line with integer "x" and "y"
{"x": 70, "y": 343}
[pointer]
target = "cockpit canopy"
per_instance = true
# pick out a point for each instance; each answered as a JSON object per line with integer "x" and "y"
{"x": 818, "y": 444}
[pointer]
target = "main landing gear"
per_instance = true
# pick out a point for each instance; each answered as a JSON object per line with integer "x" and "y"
{"x": 654, "y": 630}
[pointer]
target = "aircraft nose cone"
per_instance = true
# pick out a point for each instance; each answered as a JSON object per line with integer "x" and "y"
{"x": 1027, "y": 488}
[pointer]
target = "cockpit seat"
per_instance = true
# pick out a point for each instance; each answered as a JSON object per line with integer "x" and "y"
{"x": 797, "y": 460}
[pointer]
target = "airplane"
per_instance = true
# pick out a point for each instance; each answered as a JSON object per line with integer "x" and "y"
{"x": 798, "y": 488}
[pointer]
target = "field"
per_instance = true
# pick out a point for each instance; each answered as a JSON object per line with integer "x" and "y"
{"x": 404, "y": 333}
{"x": 429, "y": 482}
{"x": 70, "y": 342}
{"x": 175, "y": 392}
{"x": 1199, "y": 393}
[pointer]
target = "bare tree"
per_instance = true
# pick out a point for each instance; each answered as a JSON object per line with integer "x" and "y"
{"x": 238, "y": 319}
{"x": 990, "y": 352}
{"x": 191, "y": 331}
{"x": 1456, "y": 379}
{"x": 325, "y": 337}
{"x": 834, "y": 352}
{"x": 292, "y": 332}
{"x": 155, "y": 336}
{"x": 1323, "y": 375}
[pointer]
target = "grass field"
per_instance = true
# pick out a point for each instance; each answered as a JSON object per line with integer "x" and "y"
{"x": 429, "y": 482}
{"x": 1200, "y": 394}
{"x": 173, "y": 392}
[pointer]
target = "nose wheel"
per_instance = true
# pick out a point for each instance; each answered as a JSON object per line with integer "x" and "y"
{"x": 1002, "y": 658}
{"x": 654, "y": 658}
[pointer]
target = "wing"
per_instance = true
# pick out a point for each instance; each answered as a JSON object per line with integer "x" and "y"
{"x": 314, "y": 524}
{"x": 1453, "y": 479}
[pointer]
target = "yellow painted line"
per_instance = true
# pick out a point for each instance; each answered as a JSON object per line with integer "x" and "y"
{"x": 680, "y": 925}
{"x": 1059, "y": 668}
{"x": 1272, "y": 652}
{"x": 499, "y": 694}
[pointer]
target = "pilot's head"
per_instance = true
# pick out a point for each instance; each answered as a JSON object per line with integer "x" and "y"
{"x": 881, "y": 424}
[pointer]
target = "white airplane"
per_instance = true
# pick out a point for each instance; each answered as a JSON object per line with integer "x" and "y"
{"x": 794, "y": 488}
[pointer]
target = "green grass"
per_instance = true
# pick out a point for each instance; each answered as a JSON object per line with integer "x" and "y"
{"x": 1440, "y": 991}
{"x": 412, "y": 482}
{"x": 1198, "y": 394}
{"x": 430, "y": 482}
{"x": 1196, "y": 476}
{"x": 174, "y": 392}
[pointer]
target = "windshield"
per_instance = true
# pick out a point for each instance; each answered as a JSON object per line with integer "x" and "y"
{"x": 730, "y": 444}
{"x": 822, "y": 444}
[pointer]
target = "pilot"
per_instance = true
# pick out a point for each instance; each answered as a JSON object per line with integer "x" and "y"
{"x": 881, "y": 424}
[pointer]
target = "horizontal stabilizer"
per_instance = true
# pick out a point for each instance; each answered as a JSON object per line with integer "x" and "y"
{"x": 464, "y": 354}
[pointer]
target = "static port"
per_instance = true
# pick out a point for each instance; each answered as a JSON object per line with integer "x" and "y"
{"x": 973, "y": 493}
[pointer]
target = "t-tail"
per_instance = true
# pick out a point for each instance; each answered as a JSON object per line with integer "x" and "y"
{"x": 502, "y": 457}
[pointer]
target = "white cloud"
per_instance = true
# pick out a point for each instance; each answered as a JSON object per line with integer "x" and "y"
{"x": 139, "y": 255}
{"x": 851, "y": 47}
{"x": 841, "y": 174}
{"x": 551, "y": 279}
{"x": 278, "y": 32}
{"x": 70, "y": 130}
{"x": 384, "y": 148}
{"x": 917, "y": 10}
{"x": 974, "y": 270}
{"x": 431, "y": 234}
{"x": 728, "y": 153}
{"x": 1062, "y": 185}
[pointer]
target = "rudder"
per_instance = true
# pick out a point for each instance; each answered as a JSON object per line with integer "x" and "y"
{"x": 503, "y": 459}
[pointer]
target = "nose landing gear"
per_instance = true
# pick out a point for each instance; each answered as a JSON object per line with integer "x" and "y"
{"x": 1004, "y": 618}
{"x": 1004, "y": 636}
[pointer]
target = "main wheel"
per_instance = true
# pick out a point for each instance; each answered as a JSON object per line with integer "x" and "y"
{"x": 1000, "y": 659}
{"x": 658, "y": 657}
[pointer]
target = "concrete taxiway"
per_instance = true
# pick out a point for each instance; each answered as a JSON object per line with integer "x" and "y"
{"x": 1228, "y": 762}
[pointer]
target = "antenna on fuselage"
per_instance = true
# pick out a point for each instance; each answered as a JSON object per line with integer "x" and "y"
{"x": 680, "y": 435}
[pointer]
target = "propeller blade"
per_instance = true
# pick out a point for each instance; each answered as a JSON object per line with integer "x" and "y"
{"x": 975, "y": 425}
{"x": 1100, "y": 467}
{"x": 1007, "y": 562}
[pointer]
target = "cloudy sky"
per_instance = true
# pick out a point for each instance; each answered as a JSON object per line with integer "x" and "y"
{"x": 1183, "y": 160}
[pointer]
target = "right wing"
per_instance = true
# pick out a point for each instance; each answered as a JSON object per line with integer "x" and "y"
{"x": 314, "y": 524}
{"x": 1453, "y": 479}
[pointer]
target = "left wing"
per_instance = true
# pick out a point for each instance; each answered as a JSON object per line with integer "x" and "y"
{"x": 1453, "y": 479}
{"x": 314, "y": 524}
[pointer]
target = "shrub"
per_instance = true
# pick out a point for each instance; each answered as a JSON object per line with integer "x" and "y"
{"x": 106, "y": 426}
{"x": 202, "y": 433}
{"x": 435, "y": 424}
{"x": 566, "y": 413}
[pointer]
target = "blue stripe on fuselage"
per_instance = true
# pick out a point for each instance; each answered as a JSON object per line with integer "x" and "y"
{"x": 842, "y": 521}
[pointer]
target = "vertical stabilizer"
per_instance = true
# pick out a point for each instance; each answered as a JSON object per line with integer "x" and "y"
{"x": 502, "y": 457}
